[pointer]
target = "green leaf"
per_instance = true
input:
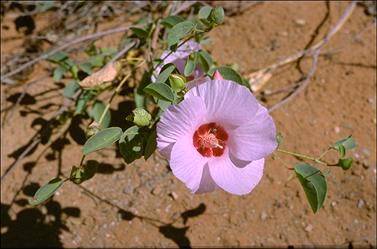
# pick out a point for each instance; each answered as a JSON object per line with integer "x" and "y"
{"x": 84, "y": 173}
{"x": 205, "y": 60}
{"x": 190, "y": 64}
{"x": 279, "y": 138}
{"x": 131, "y": 144}
{"x": 82, "y": 101}
{"x": 348, "y": 143}
{"x": 108, "y": 51}
{"x": 70, "y": 90}
{"x": 74, "y": 71}
{"x": 314, "y": 184}
{"x": 345, "y": 163}
{"x": 151, "y": 144}
{"x": 96, "y": 113}
{"x": 129, "y": 134}
{"x": 141, "y": 117}
{"x": 44, "y": 6}
{"x": 140, "y": 33}
{"x": 217, "y": 15}
{"x": 343, "y": 145}
{"x": 96, "y": 61}
{"x": 86, "y": 67}
{"x": 204, "y": 12}
{"x": 46, "y": 191}
{"x": 171, "y": 21}
{"x": 139, "y": 99}
{"x": 163, "y": 104}
{"x": 57, "y": 57}
{"x": 227, "y": 73}
{"x": 179, "y": 31}
{"x": 160, "y": 90}
{"x": 58, "y": 73}
{"x": 165, "y": 72}
{"x": 102, "y": 139}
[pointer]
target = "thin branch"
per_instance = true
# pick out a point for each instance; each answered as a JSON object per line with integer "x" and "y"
{"x": 62, "y": 47}
{"x": 306, "y": 52}
{"x": 315, "y": 51}
{"x": 183, "y": 6}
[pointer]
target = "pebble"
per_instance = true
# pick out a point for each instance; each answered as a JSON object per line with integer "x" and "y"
{"x": 360, "y": 203}
{"x": 309, "y": 228}
{"x": 333, "y": 204}
{"x": 284, "y": 33}
{"x": 274, "y": 45}
{"x": 336, "y": 129}
{"x": 174, "y": 195}
{"x": 365, "y": 164}
{"x": 156, "y": 190}
{"x": 263, "y": 215}
{"x": 300, "y": 22}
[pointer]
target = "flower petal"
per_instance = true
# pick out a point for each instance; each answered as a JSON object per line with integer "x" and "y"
{"x": 187, "y": 164}
{"x": 239, "y": 181}
{"x": 178, "y": 57}
{"x": 227, "y": 102}
{"x": 256, "y": 139}
{"x": 206, "y": 183}
{"x": 178, "y": 121}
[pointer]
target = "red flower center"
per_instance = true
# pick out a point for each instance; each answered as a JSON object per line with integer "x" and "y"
{"x": 210, "y": 139}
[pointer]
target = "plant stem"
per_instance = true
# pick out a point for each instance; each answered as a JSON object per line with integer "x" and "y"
{"x": 117, "y": 90}
{"x": 315, "y": 159}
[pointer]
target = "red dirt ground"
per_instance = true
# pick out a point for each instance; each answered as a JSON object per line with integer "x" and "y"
{"x": 143, "y": 204}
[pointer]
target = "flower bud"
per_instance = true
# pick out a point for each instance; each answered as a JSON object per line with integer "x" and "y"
{"x": 140, "y": 117}
{"x": 217, "y": 76}
{"x": 345, "y": 163}
{"x": 177, "y": 82}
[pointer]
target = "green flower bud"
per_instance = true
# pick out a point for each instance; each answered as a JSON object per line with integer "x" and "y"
{"x": 177, "y": 82}
{"x": 141, "y": 117}
{"x": 345, "y": 163}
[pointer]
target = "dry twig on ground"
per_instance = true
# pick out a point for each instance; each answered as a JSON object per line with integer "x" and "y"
{"x": 258, "y": 79}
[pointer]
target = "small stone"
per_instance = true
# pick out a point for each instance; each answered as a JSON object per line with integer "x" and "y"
{"x": 333, "y": 204}
{"x": 309, "y": 228}
{"x": 365, "y": 164}
{"x": 174, "y": 195}
{"x": 356, "y": 155}
{"x": 263, "y": 215}
{"x": 156, "y": 190}
{"x": 360, "y": 203}
{"x": 300, "y": 22}
{"x": 336, "y": 129}
{"x": 284, "y": 33}
{"x": 274, "y": 45}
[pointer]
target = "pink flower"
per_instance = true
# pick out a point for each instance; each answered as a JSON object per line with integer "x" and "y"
{"x": 218, "y": 135}
{"x": 178, "y": 58}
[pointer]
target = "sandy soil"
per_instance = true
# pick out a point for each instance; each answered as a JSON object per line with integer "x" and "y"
{"x": 143, "y": 204}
